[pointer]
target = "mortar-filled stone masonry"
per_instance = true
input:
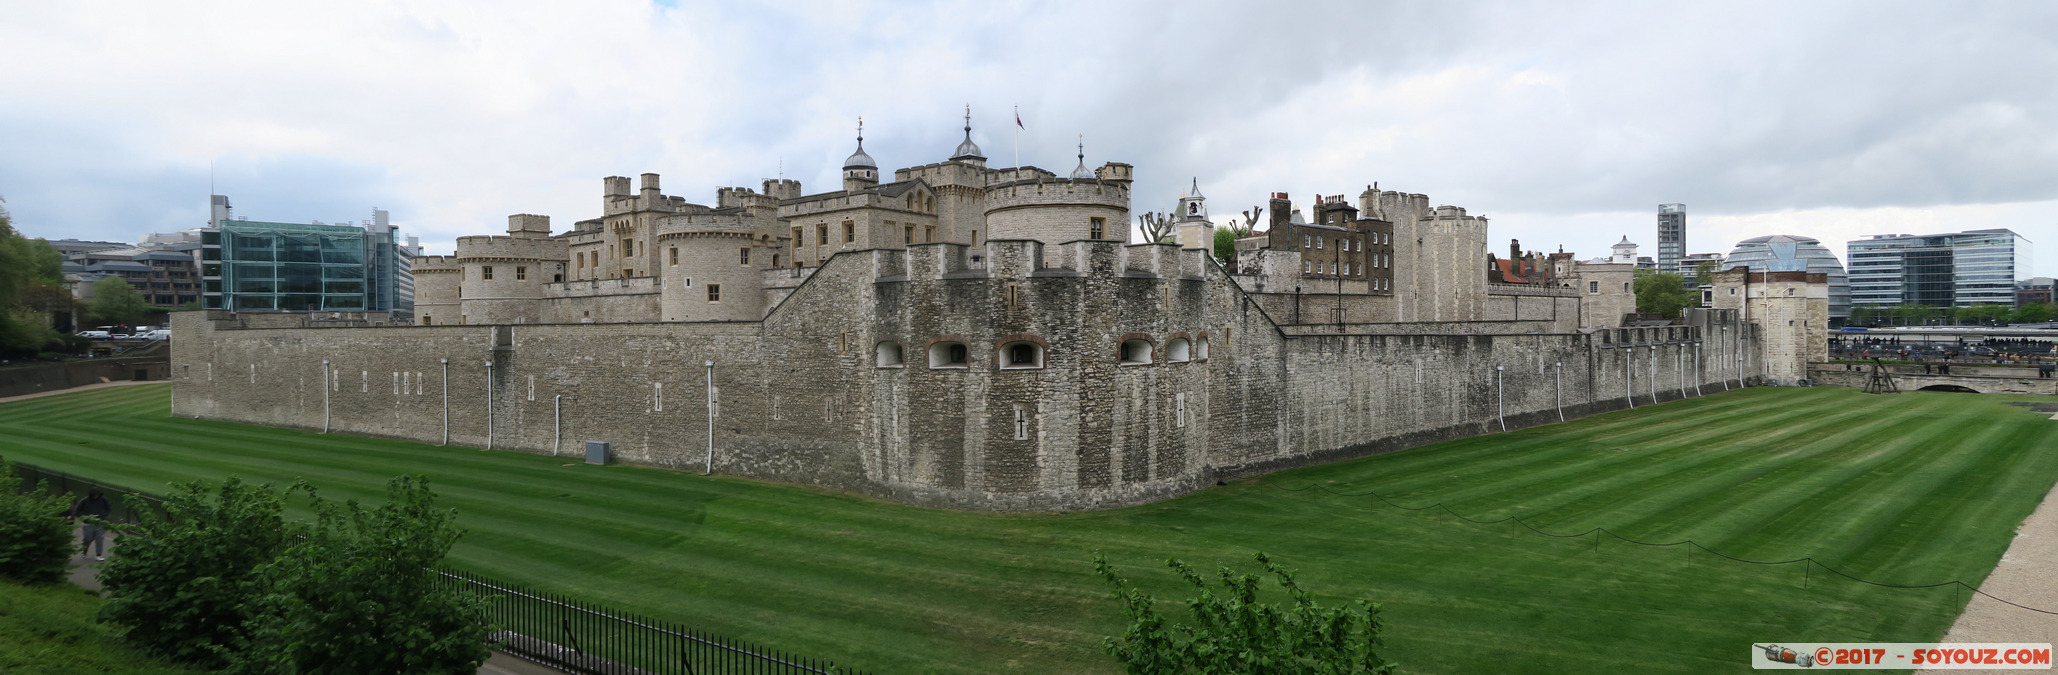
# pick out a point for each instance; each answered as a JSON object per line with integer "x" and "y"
{"x": 965, "y": 337}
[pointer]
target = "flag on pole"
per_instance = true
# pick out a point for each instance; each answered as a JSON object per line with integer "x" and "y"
{"x": 1018, "y": 119}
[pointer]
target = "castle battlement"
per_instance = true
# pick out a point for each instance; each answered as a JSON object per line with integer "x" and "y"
{"x": 500, "y": 247}
{"x": 1025, "y": 193}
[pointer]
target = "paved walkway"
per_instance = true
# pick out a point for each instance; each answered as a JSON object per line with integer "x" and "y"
{"x": 2028, "y": 575}
{"x": 85, "y": 572}
{"x": 88, "y": 387}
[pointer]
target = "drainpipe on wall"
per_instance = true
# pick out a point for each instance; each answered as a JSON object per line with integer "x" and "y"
{"x": 710, "y": 418}
{"x": 325, "y": 396}
{"x": 1654, "y": 374}
{"x": 489, "y": 405}
{"x": 1500, "y": 398}
{"x": 1628, "y": 366}
{"x": 557, "y": 433}
{"x": 446, "y": 402}
{"x": 1559, "y": 369}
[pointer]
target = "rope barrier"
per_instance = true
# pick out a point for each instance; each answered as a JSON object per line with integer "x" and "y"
{"x": 1810, "y": 560}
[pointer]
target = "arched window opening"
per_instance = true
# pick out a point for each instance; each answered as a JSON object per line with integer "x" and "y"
{"x": 1178, "y": 351}
{"x": 1136, "y": 353}
{"x": 1021, "y": 355}
{"x": 949, "y": 355}
{"x": 889, "y": 354}
{"x": 1200, "y": 349}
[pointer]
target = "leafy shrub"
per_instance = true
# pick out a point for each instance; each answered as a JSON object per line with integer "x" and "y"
{"x": 185, "y": 587}
{"x": 34, "y": 536}
{"x": 1234, "y": 633}
{"x": 358, "y": 595}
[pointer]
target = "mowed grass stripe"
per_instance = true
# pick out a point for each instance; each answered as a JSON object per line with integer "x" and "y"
{"x": 897, "y": 588}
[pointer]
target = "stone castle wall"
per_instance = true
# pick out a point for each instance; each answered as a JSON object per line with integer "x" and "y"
{"x": 802, "y": 396}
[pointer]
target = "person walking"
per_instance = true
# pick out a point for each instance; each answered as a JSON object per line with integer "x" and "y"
{"x": 93, "y": 538}
{"x": 2044, "y": 371}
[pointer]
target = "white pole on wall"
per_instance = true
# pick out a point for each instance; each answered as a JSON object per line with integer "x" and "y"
{"x": 1559, "y": 368}
{"x": 710, "y": 417}
{"x": 557, "y": 429}
{"x": 1700, "y": 367}
{"x": 1723, "y": 356}
{"x": 1500, "y": 399}
{"x": 446, "y": 402}
{"x": 1679, "y": 361}
{"x": 1654, "y": 374}
{"x": 1628, "y": 366}
{"x": 489, "y": 405}
{"x": 325, "y": 396}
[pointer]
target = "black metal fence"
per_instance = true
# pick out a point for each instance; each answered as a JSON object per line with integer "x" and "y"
{"x": 546, "y": 628}
{"x": 567, "y": 634}
{"x": 126, "y": 502}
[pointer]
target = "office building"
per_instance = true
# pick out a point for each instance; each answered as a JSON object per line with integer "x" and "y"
{"x": 251, "y": 265}
{"x": 1940, "y": 270}
{"x": 1671, "y": 237}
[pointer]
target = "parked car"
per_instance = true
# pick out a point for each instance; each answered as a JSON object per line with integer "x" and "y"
{"x": 158, "y": 335}
{"x": 95, "y": 334}
{"x": 118, "y": 336}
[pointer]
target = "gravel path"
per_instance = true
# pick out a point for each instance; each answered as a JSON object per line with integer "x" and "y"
{"x": 2028, "y": 575}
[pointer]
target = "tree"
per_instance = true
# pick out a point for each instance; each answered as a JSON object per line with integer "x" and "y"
{"x": 1704, "y": 273}
{"x": 1225, "y": 245}
{"x": 359, "y": 595}
{"x": 2033, "y": 312}
{"x": 186, "y": 586}
{"x": 115, "y": 302}
{"x": 1981, "y": 313}
{"x": 1914, "y": 314}
{"x": 1234, "y": 633}
{"x": 1156, "y": 226}
{"x": 29, "y": 269}
{"x": 1663, "y": 293}
{"x": 1862, "y": 315}
{"x": 34, "y": 536}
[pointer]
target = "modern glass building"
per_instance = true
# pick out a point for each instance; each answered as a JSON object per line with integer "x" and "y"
{"x": 249, "y": 265}
{"x": 1672, "y": 238}
{"x": 1940, "y": 270}
{"x": 1787, "y": 253}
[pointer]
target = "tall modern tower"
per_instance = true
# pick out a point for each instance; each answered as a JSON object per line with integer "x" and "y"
{"x": 1671, "y": 237}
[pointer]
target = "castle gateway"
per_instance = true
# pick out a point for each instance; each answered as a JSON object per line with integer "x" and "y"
{"x": 963, "y": 337}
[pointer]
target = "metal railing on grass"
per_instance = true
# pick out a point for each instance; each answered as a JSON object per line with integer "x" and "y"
{"x": 549, "y": 629}
{"x": 560, "y": 632}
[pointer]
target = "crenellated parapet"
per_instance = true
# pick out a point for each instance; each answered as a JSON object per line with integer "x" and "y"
{"x": 503, "y": 248}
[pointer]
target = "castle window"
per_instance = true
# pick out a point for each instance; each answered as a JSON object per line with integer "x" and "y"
{"x": 486, "y": 272}
{"x": 1200, "y": 349}
{"x": 821, "y": 234}
{"x": 1307, "y": 266}
{"x": 521, "y": 273}
{"x": 929, "y": 204}
{"x": 1178, "y": 351}
{"x": 1307, "y": 242}
{"x": 975, "y": 237}
{"x": 911, "y": 202}
{"x": 1095, "y": 227}
{"x": 557, "y": 278}
{"x": 1021, "y": 356}
{"x": 775, "y": 260}
{"x": 714, "y": 292}
{"x": 1179, "y": 409}
{"x": 849, "y": 232}
{"x": 428, "y": 320}
{"x": 908, "y": 236}
{"x": 1136, "y": 353}
{"x": 582, "y": 260}
{"x": 948, "y": 355}
{"x": 1318, "y": 243}
{"x": 745, "y": 254}
{"x": 1625, "y": 287}
{"x": 797, "y": 234}
{"x": 929, "y": 233}
{"x": 1593, "y": 288}
{"x": 675, "y": 256}
{"x": 888, "y": 355}
{"x": 1021, "y": 423}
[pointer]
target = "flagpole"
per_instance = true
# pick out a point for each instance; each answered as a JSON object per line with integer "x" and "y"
{"x": 1018, "y": 142}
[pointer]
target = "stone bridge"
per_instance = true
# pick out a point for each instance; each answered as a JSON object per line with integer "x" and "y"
{"x": 1981, "y": 379}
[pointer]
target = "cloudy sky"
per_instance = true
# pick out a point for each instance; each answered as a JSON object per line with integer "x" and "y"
{"x": 1565, "y": 123}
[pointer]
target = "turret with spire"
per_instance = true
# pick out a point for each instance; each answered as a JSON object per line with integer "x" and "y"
{"x": 968, "y": 151}
{"x": 1195, "y": 230}
{"x": 859, "y": 171}
{"x": 1081, "y": 173}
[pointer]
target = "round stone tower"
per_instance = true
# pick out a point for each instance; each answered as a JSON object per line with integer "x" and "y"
{"x": 1058, "y": 210}
{"x": 437, "y": 279}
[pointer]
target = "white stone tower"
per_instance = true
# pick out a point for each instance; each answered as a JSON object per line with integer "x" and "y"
{"x": 1624, "y": 252}
{"x": 1195, "y": 230}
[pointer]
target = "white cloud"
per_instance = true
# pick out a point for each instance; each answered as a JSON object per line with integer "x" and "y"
{"x": 1822, "y": 119}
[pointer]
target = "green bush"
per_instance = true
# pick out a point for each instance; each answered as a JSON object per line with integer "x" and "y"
{"x": 1234, "y": 633}
{"x": 358, "y": 595}
{"x": 34, "y": 536}
{"x": 185, "y": 587}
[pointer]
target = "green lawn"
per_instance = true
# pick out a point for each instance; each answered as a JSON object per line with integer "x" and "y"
{"x": 1911, "y": 488}
{"x": 49, "y": 630}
